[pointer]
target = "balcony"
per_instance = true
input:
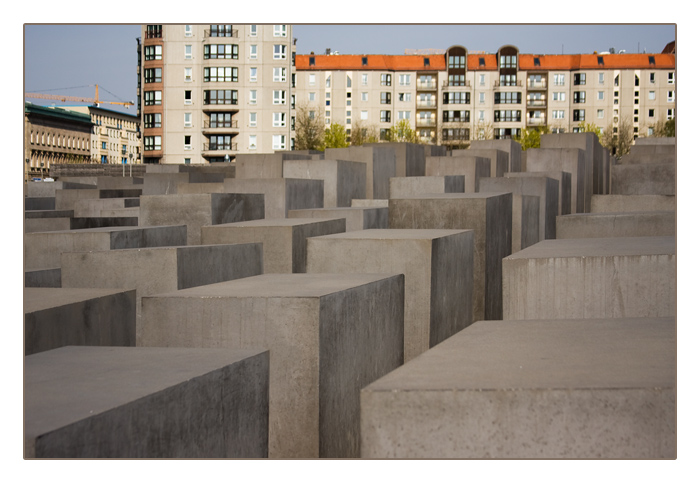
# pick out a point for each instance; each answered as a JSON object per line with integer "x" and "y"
{"x": 536, "y": 103}
{"x": 425, "y": 123}
{"x": 218, "y": 150}
{"x": 446, "y": 86}
{"x": 226, "y": 33}
{"x": 426, "y": 86}
{"x": 517, "y": 83}
{"x": 536, "y": 84}
{"x": 432, "y": 104}
{"x": 536, "y": 121}
{"x": 213, "y": 127}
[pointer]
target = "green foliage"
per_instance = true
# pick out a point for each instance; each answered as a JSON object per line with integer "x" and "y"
{"x": 401, "y": 132}
{"x": 309, "y": 131}
{"x": 335, "y": 137}
{"x": 590, "y": 127}
{"x": 363, "y": 134}
{"x": 530, "y": 137}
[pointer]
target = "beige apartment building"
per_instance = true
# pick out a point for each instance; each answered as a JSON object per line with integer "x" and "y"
{"x": 459, "y": 95}
{"x": 210, "y": 92}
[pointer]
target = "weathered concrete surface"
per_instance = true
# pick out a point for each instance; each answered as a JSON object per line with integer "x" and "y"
{"x": 596, "y": 388}
{"x": 283, "y": 239}
{"x": 257, "y": 166}
{"x": 281, "y": 194}
{"x": 329, "y": 335}
{"x": 381, "y": 166}
{"x": 416, "y": 185}
{"x": 364, "y": 203}
{"x": 570, "y": 160}
{"x": 200, "y": 210}
{"x": 488, "y": 214}
{"x": 47, "y": 220}
{"x": 563, "y": 180}
{"x": 48, "y": 190}
{"x": 499, "y": 158}
{"x": 164, "y": 183}
{"x": 342, "y": 180}
{"x": 618, "y": 203}
{"x": 471, "y": 167}
{"x": 437, "y": 264}
{"x": 36, "y": 204}
{"x": 135, "y": 402}
{"x": 546, "y": 189}
{"x": 603, "y": 225}
{"x": 591, "y": 278}
{"x": 156, "y": 270}
{"x": 56, "y": 317}
{"x": 356, "y": 218}
{"x": 513, "y": 148}
{"x": 49, "y": 277}
{"x": 198, "y": 188}
{"x": 91, "y": 208}
{"x": 643, "y": 179}
{"x": 43, "y": 249}
{"x": 410, "y": 157}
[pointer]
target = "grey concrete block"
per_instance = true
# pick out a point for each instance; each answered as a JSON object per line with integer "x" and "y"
{"x": 499, "y": 159}
{"x": 48, "y": 190}
{"x": 437, "y": 264}
{"x": 46, "y": 203}
{"x": 488, "y": 214}
{"x": 643, "y": 179}
{"x": 281, "y": 194}
{"x": 47, "y": 220}
{"x": 621, "y": 203}
{"x": 200, "y": 210}
{"x": 257, "y": 166}
{"x": 155, "y": 270}
{"x": 381, "y": 166}
{"x": 513, "y": 148}
{"x": 546, "y": 189}
{"x": 603, "y": 225}
{"x": 43, "y": 249}
{"x": 199, "y": 188}
{"x": 49, "y": 277}
{"x": 283, "y": 239}
{"x": 356, "y": 218}
{"x": 591, "y": 278}
{"x": 471, "y": 167}
{"x": 342, "y": 180}
{"x": 594, "y": 160}
{"x": 57, "y": 317}
{"x": 596, "y": 388}
{"x": 570, "y": 160}
{"x": 410, "y": 157}
{"x": 163, "y": 183}
{"x": 134, "y": 402}
{"x": 416, "y": 185}
{"x": 364, "y": 203}
{"x": 92, "y": 207}
{"x": 563, "y": 180}
{"x": 328, "y": 335}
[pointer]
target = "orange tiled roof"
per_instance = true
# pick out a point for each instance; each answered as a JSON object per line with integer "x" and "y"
{"x": 490, "y": 62}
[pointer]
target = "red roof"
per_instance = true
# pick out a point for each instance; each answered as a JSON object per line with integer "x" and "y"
{"x": 373, "y": 62}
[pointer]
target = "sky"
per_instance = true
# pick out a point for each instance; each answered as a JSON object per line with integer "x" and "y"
{"x": 71, "y": 59}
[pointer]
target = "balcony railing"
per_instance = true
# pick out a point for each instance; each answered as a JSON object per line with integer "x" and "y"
{"x": 220, "y": 147}
{"x": 426, "y": 86}
{"x": 534, "y": 84}
{"x": 536, "y": 121}
{"x": 517, "y": 83}
{"x": 209, "y": 124}
{"x": 425, "y": 123}
{"x": 447, "y": 86}
{"x": 536, "y": 103}
{"x": 423, "y": 104}
{"x": 219, "y": 33}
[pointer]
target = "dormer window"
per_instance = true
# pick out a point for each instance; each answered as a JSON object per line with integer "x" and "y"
{"x": 482, "y": 62}
{"x": 312, "y": 60}
{"x": 426, "y": 62}
{"x": 652, "y": 60}
{"x": 364, "y": 60}
{"x": 600, "y": 60}
{"x": 537, "y": 62}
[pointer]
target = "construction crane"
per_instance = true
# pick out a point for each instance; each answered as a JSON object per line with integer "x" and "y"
{"x": 96, "y": 101}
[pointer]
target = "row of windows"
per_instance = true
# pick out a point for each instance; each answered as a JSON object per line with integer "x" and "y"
{"x": 57, "y": 140}
{"x": 216, "y": 30}
{"x": 217, "y": 142}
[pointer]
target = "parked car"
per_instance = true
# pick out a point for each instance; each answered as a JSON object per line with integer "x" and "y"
{"x": 48, "y": 180}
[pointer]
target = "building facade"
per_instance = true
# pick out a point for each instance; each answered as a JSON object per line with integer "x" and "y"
{"x": 459, "y": 95}
{"x": 210, "y": 92}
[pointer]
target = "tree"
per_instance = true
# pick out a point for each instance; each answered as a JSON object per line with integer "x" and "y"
{"x": 530, "y": 137}
{"x": 309, "y": 130}
{"x": 589, "y": 127}
{"x": 482, "y": 130}
{"x": 664, "y": 129}
{"x": 363, "y": 134}
{"x": 618, "y": 140}
{"x": 402, "y": 132}
{"x": 335, "y": 137}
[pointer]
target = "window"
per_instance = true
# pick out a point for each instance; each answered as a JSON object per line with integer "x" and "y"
{"x": 558, "y": 96}
{"x": 312, "y": 96}
{"x": 671, "y": 78}
{"x": 312, "y": 79}
{"x": 188, "y": 119}
{"x": 601, "y": 113}
{"x": 508, "y": 62}
{"x": 221, "y": 74}
{"x": 506, "y": 116}
{"x": 460, "y": 134}
{"x": 253, "y": 74}
{"x": 364, "y": 96}
{"x": 253, "y": 30}
{"x": 601, "y": 95}
{"x": 328, "y": 81}
{"x": 507, "y": 98}
{"x": 456, "y": 61}
{"x": 151, "y": 143}
{"x": 220, "y": 143}
{"x": 221, "y": 51}
{"x": 188, "y": 30}
{"x": 279, "y": 74}
{"x": 404, "y": 115}
{"x": 455, "y": 116}
{"x": 671, "y": 96}
{"x": 348, "y": 82}
{"x": 188, "y": 74}
{"x": 278, "y": 141}
{"x": 253, "y": 119}
{"x": 279, "y": 119}
{"x": 153, "y": 75}
{"x": 153, "y": 52}
{"x": 509, "y": 80}
{"x": 651, "y": 112}
{"x": 312, "y": 60}
{"x": 221, "y": 31}
{"x": 220, "y": 96}
{"x": 579, "y": 79}
{"x": 153, "y": 98}
{"x": 456, "y": 80}
{"x": 154, "y": 31}
{"x": 579, "y": 115}
{"x": 188, "y": 51}
{"x": 279, "y": 31}
{"x": 252, "y": 141}
{"x": 188, "y": 142}
{"x": 670, "y": 113}
{"x": 558, "y": 114}
{"x": 188, "y": 97}
{"x": 482, "y": 97}
{"x": 253, "y": 51}
{"x": 579, "y": 97}
{"x": 385, "y": 97}
{"x": 404, "y": 79}
{"x": 385, "y": 116}
{"x": 279, "y": 51}
{"x": 482, "y": 79}
{"x": 279, "y": 97}
{"x": 364, "y": 115}
{"x": 253, "y": 97}
{"x": 455, "y": 97}
{"x": 652, "y": 77}
{"x": 385, "y": 79}
{"x": 652, "y": 95}
{"x": 601, "y": 78}
{"x": 220, "y": 119}
{"x": 558, "y": 79}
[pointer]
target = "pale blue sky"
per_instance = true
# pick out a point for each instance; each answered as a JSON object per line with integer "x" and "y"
{"x": 71, "y": 59}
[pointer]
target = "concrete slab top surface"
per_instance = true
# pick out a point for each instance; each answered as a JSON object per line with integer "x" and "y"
{"x": 275, "y": 222}
{"x": 41, "y": 298}
{"x": 281, "y": 285}
{"x": 618, "y": 214}
{"x": 393, "y": 234}
{"x": 448, "y": 196}
{"x": 598, "y": 247}
{"x": 108, "y": 229}
{"x": 545, "y": 354}
{"x": 72, "y": 383}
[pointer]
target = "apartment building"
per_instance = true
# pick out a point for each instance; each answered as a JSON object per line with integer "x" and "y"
{"x": 459, "y": 95}
{"x": 207, "y": 93}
